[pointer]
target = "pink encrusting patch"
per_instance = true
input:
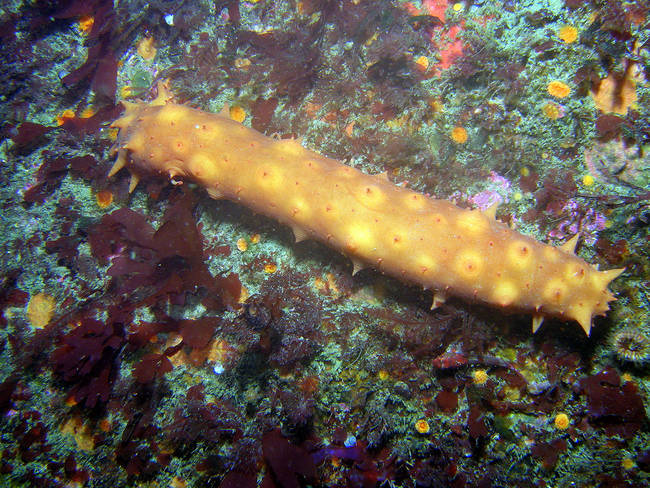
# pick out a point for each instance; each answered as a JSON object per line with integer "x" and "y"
{"x": 451, "y": 47}
{"x": 450, "y": 50}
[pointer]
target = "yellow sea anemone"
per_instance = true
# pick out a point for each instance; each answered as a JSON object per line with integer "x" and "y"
{"x": 561, "y": 421}
{"x": 40, "y": 310}
{"x": 479, "y": 376}
{"x": 422, "y": 426}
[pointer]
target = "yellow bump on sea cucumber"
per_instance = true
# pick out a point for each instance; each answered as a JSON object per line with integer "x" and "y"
{"x": 418, "y": 239}
{"x": 505, "y": 293}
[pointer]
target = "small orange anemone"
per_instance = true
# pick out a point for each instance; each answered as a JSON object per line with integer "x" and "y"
{"x": 85, "y": 24}
{"x": 459, "y": 135}
{"x": 63, "y": 116}
{"x": 104, "y": 198}
{"x": 237, "y": 113}
{"x": 568, "y": 34}
{"x": 562, "y": 421}
{"x": 558, "y": 89}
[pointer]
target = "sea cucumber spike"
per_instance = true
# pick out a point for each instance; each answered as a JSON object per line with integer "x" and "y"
{"x": 165, "y": 95}
{"x": 438, "y": 299}
{"x": 135, "y": 179}
{"x": 119, "y": 163}
{"x": 408, "y": 235}
{"x": 537, "y": 322}
{"x": 611, "y": 274}
{"x": 584, "y": 319}
{"x": 225, "y": 110}
{"x": 357, "y": 266}
{"x": 491, "y": 211}
{"x": 215, "y": 194}
{"x": 570, "y": 245}
{"x": 123, "y": 121}
{"x": 299, "y": 234}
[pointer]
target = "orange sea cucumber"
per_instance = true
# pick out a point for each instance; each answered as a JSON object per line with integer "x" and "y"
{"x": 405, "y": 234}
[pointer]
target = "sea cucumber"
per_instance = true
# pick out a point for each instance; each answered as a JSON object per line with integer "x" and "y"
{"x": 418, "y": 239}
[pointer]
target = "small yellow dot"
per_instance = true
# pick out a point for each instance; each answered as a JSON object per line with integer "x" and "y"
{"x": 383, "y": 375}
{"x": 517, "y": 196}
{"x": 626, "y": 377}
{"x": 525, "y": 171}
{"x": 458, "y": 7}
{"x": 587, "y": 180}
{"x": 561, "y": 421}
{"x": 422, "y": 426}
{"x": 242, "y": 245}
{"x": 479, "y": 377}
{"x": 255, "y": 238}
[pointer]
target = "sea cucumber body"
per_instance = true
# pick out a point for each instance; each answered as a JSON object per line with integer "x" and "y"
{"x": 400, "y": 232}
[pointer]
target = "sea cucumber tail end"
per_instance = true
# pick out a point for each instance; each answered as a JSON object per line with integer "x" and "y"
{"x": 584, "y": 315}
